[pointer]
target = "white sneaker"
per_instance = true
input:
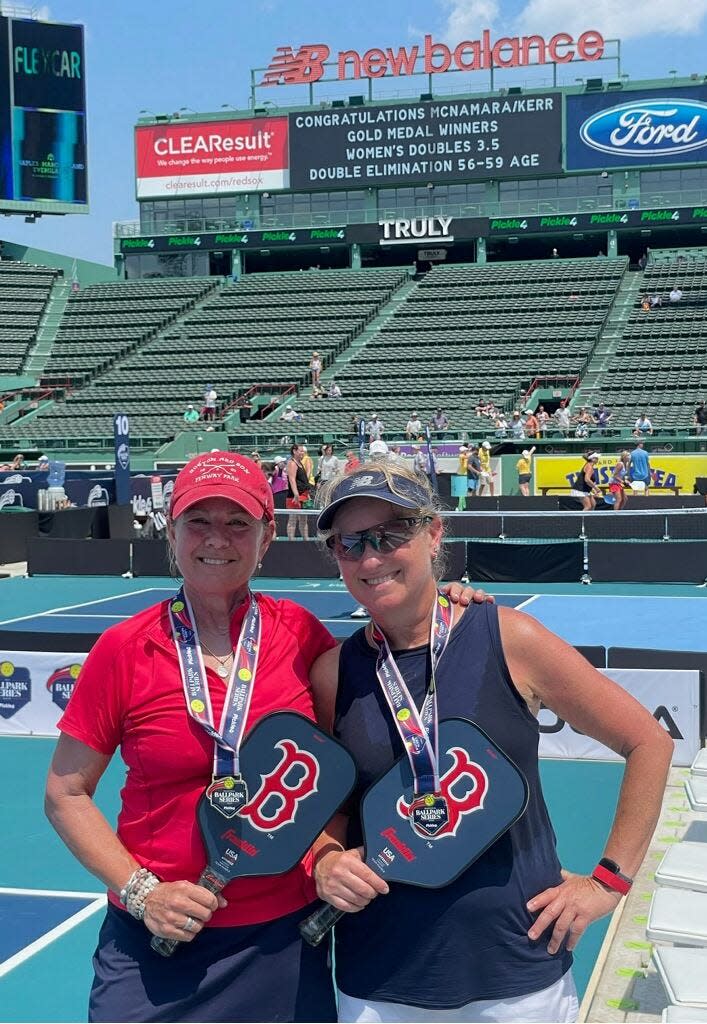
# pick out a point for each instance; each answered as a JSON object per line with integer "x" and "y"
{"x": 359, "y": 613}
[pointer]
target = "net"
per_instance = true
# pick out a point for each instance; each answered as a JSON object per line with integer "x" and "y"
{"x": 687, "y": 524}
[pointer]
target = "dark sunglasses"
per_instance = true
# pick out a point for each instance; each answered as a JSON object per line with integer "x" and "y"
{"x": 384, "y": 538}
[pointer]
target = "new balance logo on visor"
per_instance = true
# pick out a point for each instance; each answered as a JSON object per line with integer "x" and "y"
{"x": 362, "y": 481}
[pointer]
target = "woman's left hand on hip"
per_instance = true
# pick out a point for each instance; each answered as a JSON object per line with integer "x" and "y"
{"x": 571, "y": 907}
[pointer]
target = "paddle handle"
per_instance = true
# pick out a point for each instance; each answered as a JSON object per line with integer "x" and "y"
{"x": 318, "y": 925}
{"x": 166, "y": 947}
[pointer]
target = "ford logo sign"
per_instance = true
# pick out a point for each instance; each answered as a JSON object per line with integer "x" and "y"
{"x": 648, "y": 128}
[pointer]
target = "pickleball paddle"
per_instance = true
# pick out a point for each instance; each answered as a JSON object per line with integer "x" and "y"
{"x": 295, "y": 778}
{"x": 484, "y": 793}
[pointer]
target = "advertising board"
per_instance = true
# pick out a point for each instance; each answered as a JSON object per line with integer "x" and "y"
{"x": 180, "y": 160}
{"x": 640, "y": 128}
{"x": 47, "y": 114}
{"x": 442, "y": 140}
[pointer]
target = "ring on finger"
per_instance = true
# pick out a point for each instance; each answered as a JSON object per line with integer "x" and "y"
{"x": 188, "y": 925}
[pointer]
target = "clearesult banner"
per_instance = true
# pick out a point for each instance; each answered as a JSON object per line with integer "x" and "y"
{"x": 182, "y": 159}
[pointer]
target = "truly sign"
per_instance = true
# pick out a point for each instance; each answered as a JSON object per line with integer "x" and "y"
{"x": 307, "y": 63}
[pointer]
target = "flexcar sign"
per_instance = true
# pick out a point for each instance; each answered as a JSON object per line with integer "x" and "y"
{"x": 211, "y": 157}
{"x": 647, "y": 127}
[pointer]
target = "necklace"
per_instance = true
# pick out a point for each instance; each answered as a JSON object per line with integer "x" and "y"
{"x": 222, "y": 662}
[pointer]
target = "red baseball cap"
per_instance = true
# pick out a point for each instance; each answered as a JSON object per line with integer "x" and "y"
{"x": 223, "y": 475}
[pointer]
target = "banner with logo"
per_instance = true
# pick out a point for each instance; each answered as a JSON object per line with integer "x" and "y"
{"x": 562, "y": 472}
{"x": 34, "y": 690}
{"x": 121, "y": 437}
{"x": 637, "y": 128}
{"x": 671, "y": 695}
{"x": 207, "y": 240}
{"x": 421, "y": 143}
{"x": 179, "y": 160}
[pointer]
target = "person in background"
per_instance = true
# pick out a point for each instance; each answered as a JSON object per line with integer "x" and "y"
{"x": 297, "y": 493}
{"x": 639, "y": 467}
{"x": 208, "y": 412}
{"x": 643, "y": 426}
{"x": 315, "y": 366}
{"x": 543, "y": 418}
{"x": 439, "y": 423}
{"x": 531, "y": 425}
{"x": 191, "y": 415}
{"x": 563, "y": 419}
{"x": 587, "y": 487}
{"x": 524, "y": 469}
{"x": 675, "y": 293}
{"x": 375, "y": 428}
{"x": 18, "y": 461}
{"x": 501, "y": 426}
{"x": 255, "y": 456}
{"x": 602, "y": 417}
{"x": 277, "y": 478}
{"x": 461, "y": 482}
{"x": 352, "y": 462}
{"x": 290, "y": 415}
{"x": 473, "y": 470}
{"x": 517, "y": 427}
{"x": 43, "y": 464}
{"x": 308, "y": 464}
{"x": 485, "y": 475}
{"x": 378, "y": 450}
{"x": 699, "y": 420}
{"x": 328, "y": 465}
{"x": 333, "y": 391}
{"x": 618, "y": 483}
{"x": 496, "y": 944}
{"x": 413, "y": 427}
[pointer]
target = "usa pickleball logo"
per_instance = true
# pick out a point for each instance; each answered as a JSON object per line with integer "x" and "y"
{"x": 15, "y": 688}
{"x": 61, "y": 684}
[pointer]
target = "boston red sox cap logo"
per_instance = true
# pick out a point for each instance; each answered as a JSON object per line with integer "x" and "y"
{"x": 463, "y": 768}
{"x": 293, "y": 779}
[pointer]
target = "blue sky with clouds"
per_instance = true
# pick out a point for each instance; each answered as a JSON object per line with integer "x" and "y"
{"x": 165, "y": 54}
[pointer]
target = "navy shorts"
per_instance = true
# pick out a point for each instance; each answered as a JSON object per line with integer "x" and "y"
{"x": 262, "y": 972}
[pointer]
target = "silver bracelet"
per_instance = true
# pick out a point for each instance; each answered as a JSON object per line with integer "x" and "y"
{"x": 136, "y": 890}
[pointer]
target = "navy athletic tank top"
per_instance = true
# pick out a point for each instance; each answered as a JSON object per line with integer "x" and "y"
{"x": 442, "y": 948}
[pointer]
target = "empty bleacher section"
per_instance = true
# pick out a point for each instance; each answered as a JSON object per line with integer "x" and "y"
{"x": 104, "y": 322}
{"x": 468, "y": 331}
{"x": 259, "y": 331}
{"x": 24, "y": 291}
{"x": 660, "y": 363}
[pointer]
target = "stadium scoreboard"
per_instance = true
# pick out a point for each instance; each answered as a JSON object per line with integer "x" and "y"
{"x": 42, "y": 117}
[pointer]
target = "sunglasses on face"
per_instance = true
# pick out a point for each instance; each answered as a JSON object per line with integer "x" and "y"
{"x": 385, "y": 538}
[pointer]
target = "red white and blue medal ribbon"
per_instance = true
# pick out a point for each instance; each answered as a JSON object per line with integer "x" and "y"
{"x": 418, "y": 729}
{"x": 227, "y": 791}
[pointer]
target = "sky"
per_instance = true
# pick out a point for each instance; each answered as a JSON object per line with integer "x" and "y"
{"x": 162, "y": 55}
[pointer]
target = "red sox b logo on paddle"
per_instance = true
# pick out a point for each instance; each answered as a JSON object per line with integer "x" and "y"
{"x": 462, "y": 768}
{"x": 293, "y": 779}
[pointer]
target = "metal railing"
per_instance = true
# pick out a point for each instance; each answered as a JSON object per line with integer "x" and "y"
{"x": 541, "y": 208}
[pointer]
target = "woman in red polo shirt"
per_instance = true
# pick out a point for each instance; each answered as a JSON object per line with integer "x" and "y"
{"x": 249, "y": 962}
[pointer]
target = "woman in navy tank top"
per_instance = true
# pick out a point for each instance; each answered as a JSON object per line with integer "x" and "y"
{"x": 495, "y": 944}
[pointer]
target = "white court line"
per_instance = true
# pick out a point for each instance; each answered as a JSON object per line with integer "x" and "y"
{"x": 87, "y": 615}
{"x": 524, "y": 604}
{"x": 98, "y": 901}
{"x": 80, "y": 604}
